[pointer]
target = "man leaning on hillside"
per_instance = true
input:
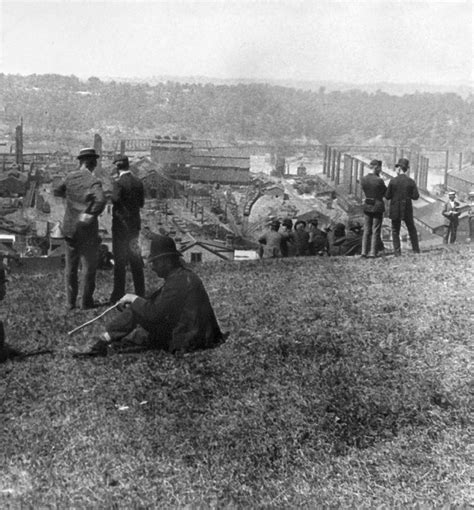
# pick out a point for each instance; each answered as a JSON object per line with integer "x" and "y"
{"x": 84, "y": 203}
{"x": 401, "y": 191}
{"x": 374, "y": 190}
{"x": 176, "y": 318}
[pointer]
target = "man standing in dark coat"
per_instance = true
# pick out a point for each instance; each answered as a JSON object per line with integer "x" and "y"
{"x": 451, "y": 214}
{"x": 374, "y": 189}
{"x": 301, "y": 239}
{"x": 6, "y": 352}
{"x": 84, "y": 203}
{"x": 176, "y": 318}
{"x": 401, "y": 191}
{"x": 127, "y": 198}
{"x": 318, "y": 239}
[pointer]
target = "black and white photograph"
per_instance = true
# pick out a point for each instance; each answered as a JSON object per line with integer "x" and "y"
{"x": 236, "y": 254}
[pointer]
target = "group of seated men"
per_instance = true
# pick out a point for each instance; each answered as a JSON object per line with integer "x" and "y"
{"x": 283, "y": 239}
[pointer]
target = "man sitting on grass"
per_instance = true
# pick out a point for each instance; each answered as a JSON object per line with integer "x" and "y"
{"x": 176, "y": 318}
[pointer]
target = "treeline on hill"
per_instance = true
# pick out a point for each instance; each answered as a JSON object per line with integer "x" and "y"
{"x": 52, "y": 104}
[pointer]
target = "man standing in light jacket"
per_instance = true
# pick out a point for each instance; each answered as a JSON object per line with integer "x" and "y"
{"x": 451, "y": 214}
{"x": 374, "y": 189}
{"x": 85, "y": 201}
{"x": 401, "y": 191}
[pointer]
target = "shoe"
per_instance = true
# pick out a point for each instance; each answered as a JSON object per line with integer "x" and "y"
{"x": 93, "y": 304}
{"x": 8, "y": 352}
{"x": 371, "y": 256}
{"x": 100, "y": 348}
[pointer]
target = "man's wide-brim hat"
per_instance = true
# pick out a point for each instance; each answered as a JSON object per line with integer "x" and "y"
{"x": 403, "y": 163}
{"x": 300, "y": 222}
{"x": 162, "y": 246}
{"x": 122, "y": 159}
{"x": 451, "y": 193}
{"x": 87, "y": 153}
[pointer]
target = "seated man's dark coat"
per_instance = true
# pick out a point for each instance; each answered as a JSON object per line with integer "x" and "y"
{"x": 179, "y": 316}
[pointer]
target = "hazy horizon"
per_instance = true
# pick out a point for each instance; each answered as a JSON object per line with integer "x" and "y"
{"x": 397, "y": 42}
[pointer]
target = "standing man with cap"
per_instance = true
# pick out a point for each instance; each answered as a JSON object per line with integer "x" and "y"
{"x": 451, "y": 214}
{"x": 374, "y": 190}
{"x": 401, "y": 191}
{"x": 85, "y": 201}
{"x": 128, "y": 198}
{"x": 176, "y": 318}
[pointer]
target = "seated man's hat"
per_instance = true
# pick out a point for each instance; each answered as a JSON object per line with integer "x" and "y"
{"x": 162, "y": 246}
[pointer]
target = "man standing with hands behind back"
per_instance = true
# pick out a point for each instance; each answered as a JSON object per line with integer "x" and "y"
{"x": 128, "y": 198}
{"x": 85, "y": 201}
{"x": 401, "y": 191}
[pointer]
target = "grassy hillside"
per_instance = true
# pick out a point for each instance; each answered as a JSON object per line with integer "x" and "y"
{"x": 343, "y": 383}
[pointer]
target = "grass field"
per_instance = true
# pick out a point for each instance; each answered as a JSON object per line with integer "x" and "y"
{"x": 344, "y": 383}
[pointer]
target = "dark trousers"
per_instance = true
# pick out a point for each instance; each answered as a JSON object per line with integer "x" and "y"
{"x": 126, "y": 327}
{"x": 127, "y": 250}
{"x": 84, "y": 250}
{"x": 450, "y": 232}
{"x": 410, "y": 224}
{"x": 372, "y": 234}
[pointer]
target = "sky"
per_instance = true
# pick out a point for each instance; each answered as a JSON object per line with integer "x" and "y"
{"x": 398, "y": 41}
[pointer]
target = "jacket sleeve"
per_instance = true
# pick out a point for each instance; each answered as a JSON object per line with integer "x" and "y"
{"x": 162, "y": 308}
{"x": 60, "y": 190}
{"x": 445, "y": 211}
{"x": 2, "y": 281}
{"x": 416, "y": 194}
{"x": 141, "y": 201}
{"x": 96, "y": 199}
{"x": 115, "y": 191}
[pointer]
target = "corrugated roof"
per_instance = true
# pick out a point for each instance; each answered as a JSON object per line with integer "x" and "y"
{"x": 466, "y": 173}
{"x": 219, "y": 161}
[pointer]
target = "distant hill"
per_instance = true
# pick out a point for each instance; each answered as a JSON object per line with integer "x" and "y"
{"x": 397, "y": 89}
{"x": 67, "y": 109}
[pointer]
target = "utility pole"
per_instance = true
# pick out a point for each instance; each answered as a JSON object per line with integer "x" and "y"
{"x": 19, "y": 144}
